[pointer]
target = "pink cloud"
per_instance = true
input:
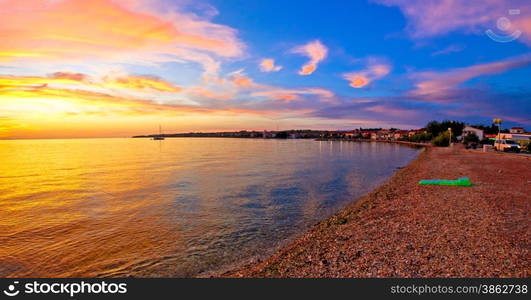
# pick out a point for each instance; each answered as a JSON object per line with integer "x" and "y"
{"x": 440, "y": 83}
{"x": 268, "y": 65}
{"x": 524, "y": 24}
{"x": 320, "y": 92}
{"x": 314, "y": 50}
{"x": 289, "y": 95}
{"x": 428, "y": 18}
{"x": 373, "y": 72}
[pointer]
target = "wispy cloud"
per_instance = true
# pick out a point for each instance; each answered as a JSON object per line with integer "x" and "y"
{"x": 431, "y": 18}
{"x": 135, "y": 82}
{"x": 70, "y": 76}
{"x": 387, "y": 111}
{"x": 448, "y": 50}
{"x": 314, "y": 50}
{"x": 435, "y": 85}
{"x": 377, "y": 111}
{"x": 289, "y": 95}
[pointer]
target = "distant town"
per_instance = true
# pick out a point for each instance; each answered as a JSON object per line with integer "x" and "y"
{"x": 362, "y": 133}
{"x": 437, "y": 133}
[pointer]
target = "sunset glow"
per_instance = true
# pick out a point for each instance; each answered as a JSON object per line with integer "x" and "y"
{"x": 104, "y": 68}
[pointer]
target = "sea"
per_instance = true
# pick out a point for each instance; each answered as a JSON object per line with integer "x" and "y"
{"x": 181, "y": 207}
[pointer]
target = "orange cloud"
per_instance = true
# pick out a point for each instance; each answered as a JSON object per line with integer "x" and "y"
{"x": 201, "y": 92}
{"x": 242, "y": 81}
{"x": 79, "y": 30}
{"x": 268, "y": 65}
{"x": 307, "y": 69}
{"x": 358, "y": 81}
{"x": 69, "y": 76}
{"x": 314, "y": 50}
{"x": 239, "y": 80}
{"x": 83, "y": 81}
{"x": 23, "y": 98}
{"x": 8, "y": 83}
{"x": 43, "y": 112}
{"x": 286, "y": 97}
{"x": 373, "y": 72}
{"x": 140, "y": 83}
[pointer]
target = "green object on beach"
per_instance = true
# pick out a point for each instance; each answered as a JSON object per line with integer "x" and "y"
{"x": 463, "y": 181}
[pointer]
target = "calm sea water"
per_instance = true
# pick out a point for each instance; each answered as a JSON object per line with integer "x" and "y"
{"x": 179, "y": 207}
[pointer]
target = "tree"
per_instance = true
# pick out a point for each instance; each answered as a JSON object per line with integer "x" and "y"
{"x": 435, "y": 128}
{"x": 471, "y": 138}
{"x": 492, "y": 129}
{"x": 442, "y": 140}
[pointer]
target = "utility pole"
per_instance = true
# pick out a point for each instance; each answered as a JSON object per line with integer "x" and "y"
{"x": 450, "y": 139}
{"x": 498, "y": 121}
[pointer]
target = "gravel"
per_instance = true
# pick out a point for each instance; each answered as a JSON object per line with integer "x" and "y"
{"x": 403, "y": 229}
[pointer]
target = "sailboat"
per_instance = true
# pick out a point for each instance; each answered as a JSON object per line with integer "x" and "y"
{"x": 159, "y": 137}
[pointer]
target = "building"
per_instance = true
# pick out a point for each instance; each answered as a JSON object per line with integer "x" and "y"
{"x": 366, "y": 134}
{"x": 352, "y": 134}
{"x": 517, "y": 130}
{"x": 516, "y": 137}
{"x": 469, "y": 130}
{"x": 400, "y": 134}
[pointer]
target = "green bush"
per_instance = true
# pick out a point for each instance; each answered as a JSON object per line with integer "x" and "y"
{"x": 471, "y": 138}
{"x": 442, "y": 140}
{"x": 420, "y": 137}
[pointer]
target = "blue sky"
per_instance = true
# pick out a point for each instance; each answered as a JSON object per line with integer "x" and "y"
{"x": 231, "y": 65}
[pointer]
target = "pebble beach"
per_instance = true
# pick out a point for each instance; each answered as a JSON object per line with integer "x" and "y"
{"x": 403, "y": 229}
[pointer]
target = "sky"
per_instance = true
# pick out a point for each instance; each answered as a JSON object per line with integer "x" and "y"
{"x": 116, "y": 68}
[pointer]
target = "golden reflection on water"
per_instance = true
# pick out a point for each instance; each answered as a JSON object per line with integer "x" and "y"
{"x": 137, "y": 207}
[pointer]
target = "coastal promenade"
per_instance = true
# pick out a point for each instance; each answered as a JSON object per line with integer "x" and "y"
{"x": 402, "y": 229}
